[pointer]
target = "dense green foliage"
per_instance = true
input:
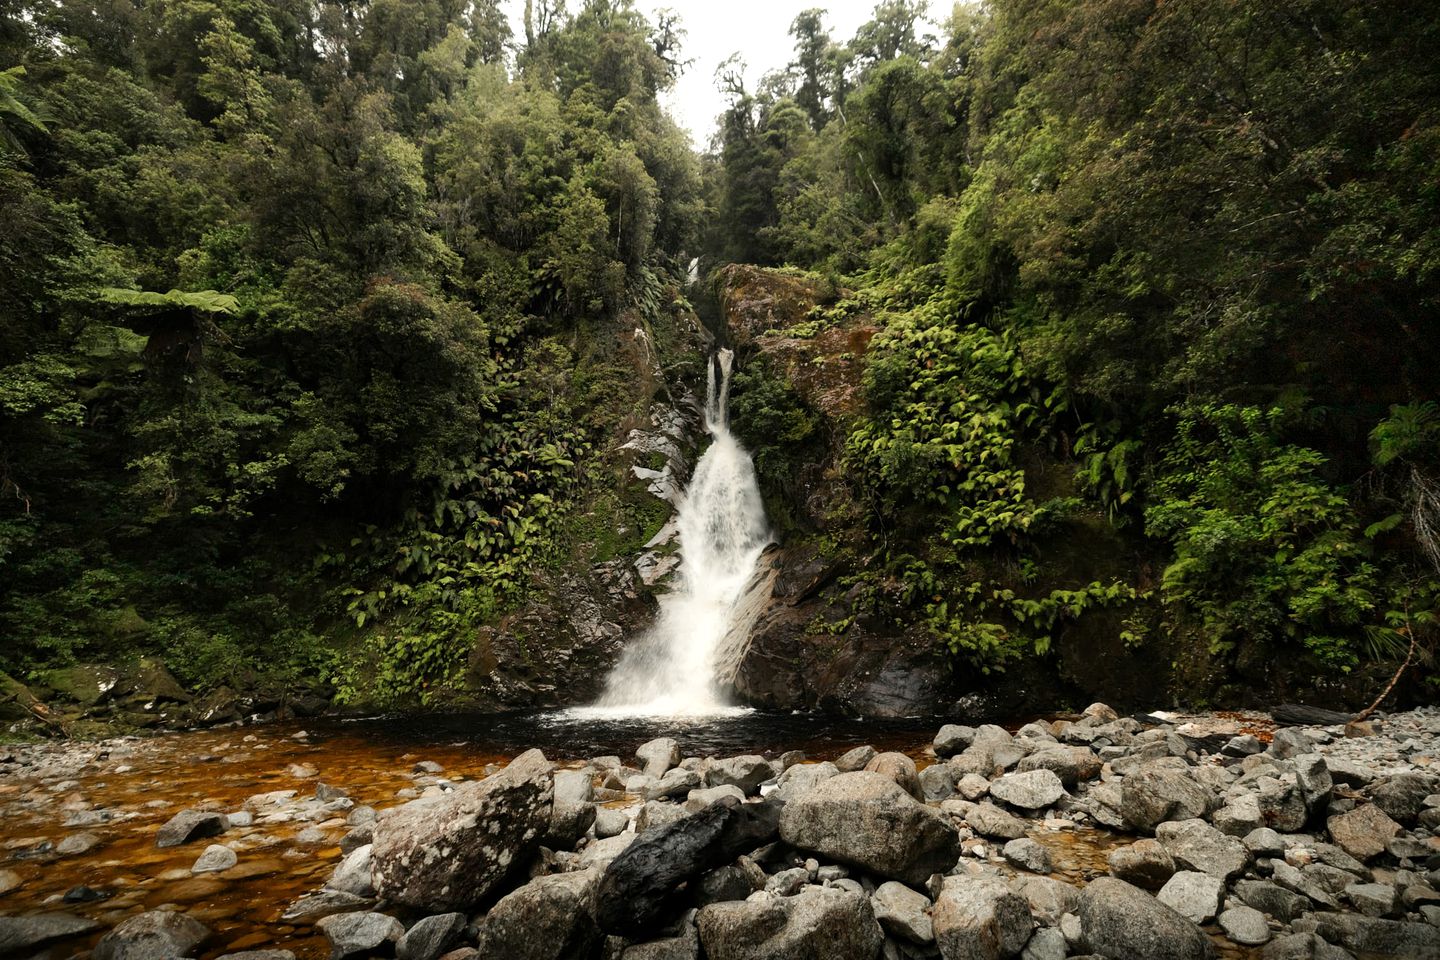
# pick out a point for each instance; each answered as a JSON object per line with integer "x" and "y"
{"x": 397, "y": 245}
{"x": 1190, "y": 250}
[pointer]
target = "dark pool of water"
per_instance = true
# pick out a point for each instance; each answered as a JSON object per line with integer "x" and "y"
{"x": 565, "y": 736}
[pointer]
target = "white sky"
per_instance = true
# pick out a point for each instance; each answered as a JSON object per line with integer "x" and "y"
{"x": 758, "y": 29}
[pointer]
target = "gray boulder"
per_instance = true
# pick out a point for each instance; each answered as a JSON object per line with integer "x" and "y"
{"x": 820, "y": 923}
{"x": 899, "y": 768}
{"x": 1071, "y": 764}
{"x": 1303, "y": 946}
{"x": 953, "y": 739}
{"x": 1196, "y": 896}
{"x": 1154, "y": 794}
{"x": 27, "y": 934}
{"x": 549, "y": 918}
{"x": 1034, "y": 790}
{"x": 937, "y": 782}
{"x": 431, "y": 937}
{"x": 855, "y": 759}
{"x": 802, "y": 777}
{"x": 572, "y": 809}
{"x": 746, "y": 772}
{"x": 1402, "y": 796}
{"x": 1123, "y": 922}
{"x": 903, "y": 912}
{"x": 1145, "y": 863}
{"x": 657, "y": 756}
{"x": 866, "y": 819}
{"x": 215, "y": 859}
{"x": 1363, "y": 832}
{"x": 677, "y": 782}
{"x": 485, "y": 826}
{"x": 361, "y": 934}
{"x": 1271, "y": 898}
{"x": 1195, "y": 845}
{"x": 990, "y": 821}
{"x": 1374, "y": 936}
{"x": 353, "y": 874}
{"x": 1245, "y": 925}
{"x": 314, "y": 907}
{"x": 1028, "y": 855}
{"x": 188, "y": 825}
{"x": 980, "y": 918}
{"x": 155, "y": 935}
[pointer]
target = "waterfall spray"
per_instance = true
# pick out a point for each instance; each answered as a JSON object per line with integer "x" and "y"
{"x": 670, "y": 670}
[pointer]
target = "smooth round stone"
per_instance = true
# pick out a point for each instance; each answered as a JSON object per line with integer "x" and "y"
{"x": 215, "y": 859}
{"x": 1245, "y": 925}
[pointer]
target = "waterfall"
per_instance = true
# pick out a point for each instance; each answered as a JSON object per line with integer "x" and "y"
{"x": 670, "y": 670}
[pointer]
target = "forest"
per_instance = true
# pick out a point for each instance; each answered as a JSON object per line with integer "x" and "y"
{"x": 310, "y": 315}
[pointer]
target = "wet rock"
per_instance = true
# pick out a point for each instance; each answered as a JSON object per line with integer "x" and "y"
{"x": 902, "y": 912}
{"x": 354, "y": 874}
{"x": 820, "y": 923}
{"x": 658, "y": 756}
{"x": 327, "y": 903}
{"x": 9, "y": 880}
{"x": 1245, "y": 926}
{"x": 1195, "y": 845}
{"x": 572, "y": 807}
{"x": 361, "y": 934}
{"x": 1123, "y": 922}
{"x": 449, "y": 854}
{"x": 188, "y": 825}
{"x": 746, "y": 772}
{"x": 324, "y": 792}
{"x": 980, "y": 918}
{"x": 1154, "y": 794}
{"x": 1363, "y": 832}
{"x": 1035, "y": 790}
{"x": 549, "y": 918}
{"x": 302, "y": 771}
{"x": 24, "y": 935}
{"x": 1028, "y": 855}
{"x": 852, "y": 760}
{"x": 156, "y": 935}
{"x": 989, "y": 820}
{"x": 865, "y": 819}
{"x": 639, "y": 885}
{"x": 1144, "y": 863}
{"x": 1197, "y": 896}
{"x": 215, "y": 859}
{"x": 84, "y": 894}
{"x": 953, "y": 739}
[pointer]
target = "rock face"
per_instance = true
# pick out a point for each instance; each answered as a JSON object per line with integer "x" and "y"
{"x": 549, "y": 918}
{"x": 157, "y": 935}
{"x": 636, "y": 888}
{"x": 867, "y": 820}
{"x": 980, "y": 919}
{"x": 820, "y": 923}
{"x": 1126, "y": 923}
{"x": 450, "y": 854}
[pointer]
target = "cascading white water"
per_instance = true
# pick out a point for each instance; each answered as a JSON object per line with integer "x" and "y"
{"x": 670, "y": 671}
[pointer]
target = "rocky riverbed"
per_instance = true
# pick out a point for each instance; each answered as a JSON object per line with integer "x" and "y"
{"x": 1097, "y": 835}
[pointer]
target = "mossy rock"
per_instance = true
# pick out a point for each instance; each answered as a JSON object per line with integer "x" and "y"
{"x": 82, "y": 683}
{"x": 16, "y": 700}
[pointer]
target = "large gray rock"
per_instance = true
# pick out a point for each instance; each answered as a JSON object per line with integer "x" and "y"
{"x": 1195, "y": 845}
{"x": 314, "y": 907}
{"x": 549, "y": 918}
{"x": 1303, "y": 946}
{"x": 1271, "y": 898}
{"x": 866, "y": 819}
{"x": 953, "y": 739}
{"x": 980, "y": 918}
{"x": 1123, "y": 922}
{"x": 819, "y": 923}
{"x": 990, "y": 821}
{"x": 1196, "y": 896}
{"x": 188, "y": 825}
{"x": 1145, "y": 863}
{"x": 215, "y": 859}
{"x": 450, "y": 853}
{"x": 678, "y": 782}
{"x": 361, "y": 934}
{"x": 855, "y": 758}
{"x": 1071, "y": 764}
{"x": 431, "y": 937}
{"x": 1402, "y": 796}
{"x": 937, "y": 782}
{"x": 802, "y": 777}
{"x": 899, "y": 768}
{"x": 1245, "y": 926}
{"x": 572, "y": 808}
{"x": 746, "y": 772}
{"x": 640, "y": 884}
{"x": 353, "y": 874}
{"x": 156, "y": 935}
{"x": 1154, "y": 794}
{"x": 1363, "y": 832}
{"x": 1373, "y": 936}
{"x": 1049, "y": 899}
{"x": 1034, "y": 790}
{"x": 657, "y": 756}
{"x": 24, "y": 935}
{"x": 1028, "y": 855}
{"x": 903, "y": 912}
